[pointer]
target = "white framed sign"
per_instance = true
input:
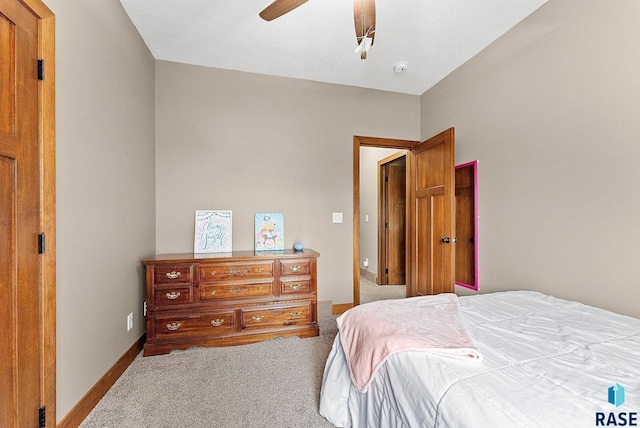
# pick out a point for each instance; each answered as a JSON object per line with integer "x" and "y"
{"x": 212, "y": 231}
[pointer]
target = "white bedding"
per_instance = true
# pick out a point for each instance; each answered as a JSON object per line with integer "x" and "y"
{"x": 547, "y": 362}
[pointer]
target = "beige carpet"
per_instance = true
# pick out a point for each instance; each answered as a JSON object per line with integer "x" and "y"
{"x": 370, "y": 292}
{"x": 269, "y": 384}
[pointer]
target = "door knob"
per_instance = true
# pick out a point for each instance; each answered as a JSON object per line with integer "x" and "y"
{"x": 446, "y": 240}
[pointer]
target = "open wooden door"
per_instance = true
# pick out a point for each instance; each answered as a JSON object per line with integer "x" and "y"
{"x": 27, "y": 215}
{"x": 430, "y": 223}
{"x": 432, "y": 216}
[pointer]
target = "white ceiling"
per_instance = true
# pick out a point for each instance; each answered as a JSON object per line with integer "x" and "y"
{"x": 317, "y": 40}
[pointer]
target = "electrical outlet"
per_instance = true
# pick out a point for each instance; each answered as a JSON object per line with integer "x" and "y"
{"x": 144, "y": 309}
{"x": 130, "y": 321}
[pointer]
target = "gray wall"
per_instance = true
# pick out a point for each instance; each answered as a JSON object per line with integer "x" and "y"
{"x": 105, "y": 189}
{"x": 551, "y": 111}
{"x": 250, "y": 143}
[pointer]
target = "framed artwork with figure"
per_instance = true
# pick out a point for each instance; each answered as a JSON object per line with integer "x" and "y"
{"x": 212, "y": 231}
{"x": 269, "y": 231}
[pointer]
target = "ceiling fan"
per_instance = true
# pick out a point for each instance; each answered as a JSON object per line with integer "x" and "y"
{"x": 364, "y": 18}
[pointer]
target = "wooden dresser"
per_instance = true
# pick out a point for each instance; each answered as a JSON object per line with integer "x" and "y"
{"x": 229, "y": 298}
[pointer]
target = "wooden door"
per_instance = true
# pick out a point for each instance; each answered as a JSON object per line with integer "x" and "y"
{"x": 21, "y": 270}
{"x": 432, "y": 218}
{"x": 392, "y": 229}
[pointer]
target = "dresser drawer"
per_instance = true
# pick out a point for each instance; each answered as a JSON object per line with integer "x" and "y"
{"x": 295, "y": 285}
{"x": 173, "y": 274}
{"x": 265, "y": 317}
{"x": 235, "y": 271}
{"x": 184, "y": 325}
{"x": 235, "y": 290}
{"x": 172, "y": 296}
{"x": 295, "y": 267}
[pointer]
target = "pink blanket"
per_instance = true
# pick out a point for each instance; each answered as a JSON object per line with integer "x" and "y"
{"x": 372, "y": 332}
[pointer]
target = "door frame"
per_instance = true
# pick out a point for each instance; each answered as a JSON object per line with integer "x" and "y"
{"x": 361, "y": 141}
{"x": 46, "y": 142}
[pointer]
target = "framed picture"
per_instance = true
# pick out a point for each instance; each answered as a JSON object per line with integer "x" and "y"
{"x": 269, "y": 231}
{"x": 212, "y": 231}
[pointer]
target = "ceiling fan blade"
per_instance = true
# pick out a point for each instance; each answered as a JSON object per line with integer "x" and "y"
{"x": 364, "y": 18}
{"x": 279, "y": 8}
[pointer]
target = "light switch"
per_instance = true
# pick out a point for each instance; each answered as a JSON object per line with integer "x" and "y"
{"x": 337, "y": 217}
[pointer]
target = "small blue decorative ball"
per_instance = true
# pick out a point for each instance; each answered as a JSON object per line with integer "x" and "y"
{"x": 298, "y": 246}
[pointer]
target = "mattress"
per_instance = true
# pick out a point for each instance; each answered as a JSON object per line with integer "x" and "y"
{"x": 546, "y": 362}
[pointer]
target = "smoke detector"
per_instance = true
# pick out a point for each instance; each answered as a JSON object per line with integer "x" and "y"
{"x": 401, "y": 67}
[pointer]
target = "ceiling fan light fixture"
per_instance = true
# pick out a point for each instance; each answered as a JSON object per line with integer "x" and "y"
{"x": 364, "y": 19}
{"x": 364, "y": 46}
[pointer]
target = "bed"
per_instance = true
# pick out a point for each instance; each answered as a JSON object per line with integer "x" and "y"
{"x": 545, "y": 362}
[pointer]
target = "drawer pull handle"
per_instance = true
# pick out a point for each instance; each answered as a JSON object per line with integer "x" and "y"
{"x": 296, "y": 314}
{"x": 173, "y": 326}
{"x": 217, "y": 322}
{"x": 295, "y": 268}
{"x": 173, "y": 274}
{"x": 296, "y": 286}
{"x": 173, "y": 295}
{"x": 213, "y": 292}
{"x": 257, "y": 318}
{"x": 238, "y": 271}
